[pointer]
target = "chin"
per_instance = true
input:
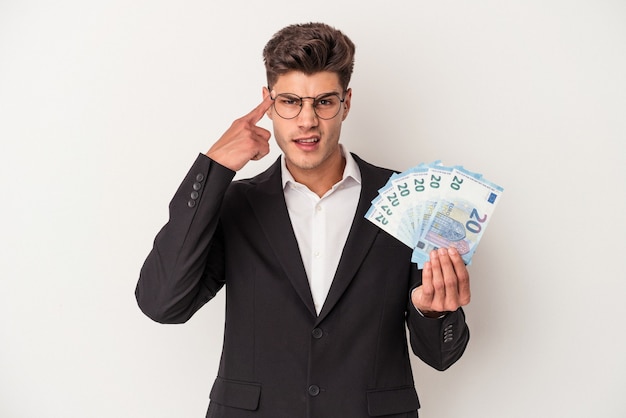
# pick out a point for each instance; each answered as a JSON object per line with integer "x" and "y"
{"x": 305, "y": 164}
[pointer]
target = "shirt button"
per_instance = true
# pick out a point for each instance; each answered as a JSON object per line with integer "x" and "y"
{"x": 317, "y": 333}
{"x": 318, "y": 208}
{"x": 317, "y": 254}
{"x": 314, "y": 390}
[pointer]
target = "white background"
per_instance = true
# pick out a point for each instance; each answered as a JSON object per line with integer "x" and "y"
{"x": 105, "y": 105}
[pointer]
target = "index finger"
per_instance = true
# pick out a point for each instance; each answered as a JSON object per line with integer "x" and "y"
{"x": 257, "y": 113}
{"x": 462, "y": 275}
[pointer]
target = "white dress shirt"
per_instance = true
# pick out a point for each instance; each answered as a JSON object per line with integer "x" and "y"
{"x": 322, "y": 224}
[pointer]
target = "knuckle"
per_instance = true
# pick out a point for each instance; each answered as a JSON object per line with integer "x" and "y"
{"x": 427, "y": 292}
{"x": 450, "y": 281}
{"x": 438, "y": 285}
{"x": 237, "y": 122}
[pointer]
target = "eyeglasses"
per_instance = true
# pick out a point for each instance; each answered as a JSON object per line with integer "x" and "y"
{"x": 325, "y": 106}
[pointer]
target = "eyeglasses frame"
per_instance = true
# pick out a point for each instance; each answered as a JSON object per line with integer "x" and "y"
{"x": 341, "y": 100}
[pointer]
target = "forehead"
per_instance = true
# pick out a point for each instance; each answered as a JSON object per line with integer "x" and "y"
{"x": 311, "y": 85}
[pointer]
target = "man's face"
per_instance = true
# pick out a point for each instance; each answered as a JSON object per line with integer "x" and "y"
{"x": 308, "y": 142}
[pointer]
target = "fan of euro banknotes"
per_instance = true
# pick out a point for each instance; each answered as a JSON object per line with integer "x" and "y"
{"x": 432, "y": 205}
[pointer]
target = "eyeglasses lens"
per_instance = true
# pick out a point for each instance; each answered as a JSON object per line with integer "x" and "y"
{"x": 289, "y": 106}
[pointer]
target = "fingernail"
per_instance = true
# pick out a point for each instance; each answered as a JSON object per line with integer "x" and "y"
{"x": 452, "y": 251}
{"x": 443, "y": 251}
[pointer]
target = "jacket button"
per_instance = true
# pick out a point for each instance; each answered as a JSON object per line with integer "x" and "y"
{"x": 200, "y": 177}
{"x": 194, "y": 195}
{"x": 317, "y": 333}
{"x": 191, "y": 203}
{"x": 314, "y": 390}
{"x": 448, "y": 334}
{"x": 197, "y": 186}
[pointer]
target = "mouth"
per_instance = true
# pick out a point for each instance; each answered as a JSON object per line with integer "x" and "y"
{"x": 307, "y": 141}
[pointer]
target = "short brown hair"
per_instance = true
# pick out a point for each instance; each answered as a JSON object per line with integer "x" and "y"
{"x": 310, "y": 48}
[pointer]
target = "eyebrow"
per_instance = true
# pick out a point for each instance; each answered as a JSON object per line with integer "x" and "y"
{"x": 319, "y": 95}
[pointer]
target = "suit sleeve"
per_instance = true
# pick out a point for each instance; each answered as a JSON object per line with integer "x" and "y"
{"x": 185, "y": 267}
{"x": 437, "y": 342}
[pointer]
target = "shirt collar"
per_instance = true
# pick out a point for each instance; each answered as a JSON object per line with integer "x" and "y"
{"x": 350, "y": 171}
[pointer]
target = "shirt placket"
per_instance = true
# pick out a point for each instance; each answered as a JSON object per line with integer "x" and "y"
{"x": 318, "y": 255}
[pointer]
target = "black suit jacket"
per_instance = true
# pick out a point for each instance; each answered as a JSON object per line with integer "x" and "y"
{"x": 279, "y": 358}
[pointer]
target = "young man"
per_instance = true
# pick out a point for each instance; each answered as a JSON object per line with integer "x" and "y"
{"x": 318, "y": 298}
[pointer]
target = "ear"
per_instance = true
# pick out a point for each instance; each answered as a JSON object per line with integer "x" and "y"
{"x": 346, "y": 104}
{"x": 270, "y": 112}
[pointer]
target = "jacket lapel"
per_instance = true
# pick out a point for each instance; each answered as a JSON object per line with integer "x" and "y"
{"x": 268, "y": 204}
{"x": 361, "y": 236}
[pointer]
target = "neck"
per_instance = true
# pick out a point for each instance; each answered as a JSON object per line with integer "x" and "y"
{"x": 320, "y": 179}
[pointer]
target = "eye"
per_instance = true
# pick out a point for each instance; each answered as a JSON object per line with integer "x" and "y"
{"x": 289, "y": 100}
{"x": 327, "y": 101}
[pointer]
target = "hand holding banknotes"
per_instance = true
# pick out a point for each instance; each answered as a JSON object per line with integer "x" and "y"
{"x": 441, "y": 212}
{"x": 445, "y": 284}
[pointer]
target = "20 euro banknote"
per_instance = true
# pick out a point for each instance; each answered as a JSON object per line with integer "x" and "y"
{"x": 431, "y": 206}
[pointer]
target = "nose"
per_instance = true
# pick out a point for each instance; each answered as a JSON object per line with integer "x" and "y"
{"x": 307, "y": 117}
